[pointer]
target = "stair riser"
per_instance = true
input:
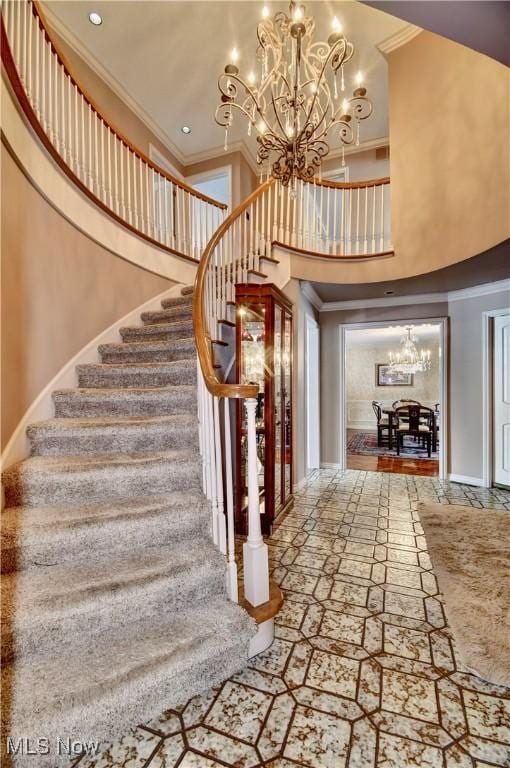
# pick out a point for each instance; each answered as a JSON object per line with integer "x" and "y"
{"x": 178, "y": 301}
{"x": 100, "y": 484}
{"x": 112, "y": 608}
{"x": 113, "y": 379}
{"x": 131, "y": 701}
{"x": 30, "y": 549}
{"x": 154, "y": 333}
{"x": 139, "y": 440}
{"x": 175, "y": 315}
{"x": 149, "y": 355}
{"x": 153, "y": 404}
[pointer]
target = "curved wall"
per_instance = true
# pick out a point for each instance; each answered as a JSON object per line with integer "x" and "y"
{"x": 60, "y": 289}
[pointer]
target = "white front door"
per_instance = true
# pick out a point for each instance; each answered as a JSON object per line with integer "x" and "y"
{"x": 501, "y": 416}
{"x": 312, "y": 395}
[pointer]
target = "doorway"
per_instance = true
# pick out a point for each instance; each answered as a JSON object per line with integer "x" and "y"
{"x": 496, "y": 398}
{"x": 392, "y": 418}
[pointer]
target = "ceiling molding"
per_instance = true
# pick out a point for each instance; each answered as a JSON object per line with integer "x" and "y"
{"x": 311, "y": 294}
{"x": 400, "y": 38}
{"x": 74, "y": 42}
{"x": 485, "y": 289}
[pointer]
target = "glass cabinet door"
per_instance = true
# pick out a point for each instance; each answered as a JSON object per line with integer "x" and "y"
{"x": 287, "y": 404}
{"x": 278, "y": 408}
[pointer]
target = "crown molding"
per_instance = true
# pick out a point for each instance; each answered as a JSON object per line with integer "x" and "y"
{"x": 86, "y": 54}
{"x": 310, "y": 293}
{"x": 398, "y": 39}
{"x": 484, "y": 289}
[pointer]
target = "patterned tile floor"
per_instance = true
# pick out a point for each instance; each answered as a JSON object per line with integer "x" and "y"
{"x": 362, "y": 673}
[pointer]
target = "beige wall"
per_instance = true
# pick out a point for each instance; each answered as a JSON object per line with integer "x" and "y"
{"x": 465, "y": 390}
{"x": 301, "y": 308}
{"x": 450, "y": 153}
{"x": 59, "y": 290}
{"x": 360, "y": 379}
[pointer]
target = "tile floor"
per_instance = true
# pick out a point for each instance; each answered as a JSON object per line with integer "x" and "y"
{"x": 362, "y": 673}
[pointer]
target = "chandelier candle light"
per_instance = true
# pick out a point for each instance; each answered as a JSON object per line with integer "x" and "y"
{"x": 409, "y": 359}
{"x": 293, "y": 99}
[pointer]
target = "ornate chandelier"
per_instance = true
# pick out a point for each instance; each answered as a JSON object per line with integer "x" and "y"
{"x": 409, "y": 359}
{"x": 294, "y": 101}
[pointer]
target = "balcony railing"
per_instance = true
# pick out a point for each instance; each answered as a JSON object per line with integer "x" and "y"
{"x": 97, "y": 157}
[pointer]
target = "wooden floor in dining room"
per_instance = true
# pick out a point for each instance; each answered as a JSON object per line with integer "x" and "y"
{"x": 407, "y": 465}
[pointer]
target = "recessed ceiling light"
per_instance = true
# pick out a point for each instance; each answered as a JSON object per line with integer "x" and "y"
{"x": 389, "y": 293}
{"x": 186, "y": 129}
{"x": 95, "y": 18}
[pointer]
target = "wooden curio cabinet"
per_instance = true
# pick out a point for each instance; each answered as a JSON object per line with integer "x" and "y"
{"x": 264, "y": 357}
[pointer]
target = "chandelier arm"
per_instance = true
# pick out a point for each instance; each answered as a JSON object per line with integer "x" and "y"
{"x": 323, "y": 69}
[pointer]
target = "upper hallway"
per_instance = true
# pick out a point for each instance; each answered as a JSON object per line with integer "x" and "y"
{"x": 448, "y": 159}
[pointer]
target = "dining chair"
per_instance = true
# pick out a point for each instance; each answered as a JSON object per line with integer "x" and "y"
{"x": 414, "y": 425}
{"x": 383, "y": 422}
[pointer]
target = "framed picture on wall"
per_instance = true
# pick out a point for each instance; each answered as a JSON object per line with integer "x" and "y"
{"x": 384, "y": 377}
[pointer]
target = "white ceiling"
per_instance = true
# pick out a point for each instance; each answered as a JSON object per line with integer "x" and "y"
{"x": 391, "y": 335}
{"x": 167, "y": 56}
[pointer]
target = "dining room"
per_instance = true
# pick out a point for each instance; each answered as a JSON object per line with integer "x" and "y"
{"x": 393, "y": 397}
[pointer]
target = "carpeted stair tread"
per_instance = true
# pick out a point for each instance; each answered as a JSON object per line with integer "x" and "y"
{"x": 112, "y": 435}
{"x": 42, "y": 480}
{"x": 110, "y": 683}
{"x": 146, "y": 351}
{"x": 42, "y": 536}
{"x": 137, "y": 374}
{"x": 179, "y": 329}
{"x": 127, "y": 401}
{"x": 59, "y": 602}
{"x": 158, "y": 316}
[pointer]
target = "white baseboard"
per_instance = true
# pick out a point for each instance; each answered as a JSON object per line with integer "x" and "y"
{"x": 466, "y": 480}
{"x": 42, "y": 408}
{"x": 328, "y": 465}
{"x": 362, "y": 426}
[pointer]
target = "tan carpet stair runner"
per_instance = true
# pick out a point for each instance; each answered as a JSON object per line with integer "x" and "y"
{"x": 114, "y": 600}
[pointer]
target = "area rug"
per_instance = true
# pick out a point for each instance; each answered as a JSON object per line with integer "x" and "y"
{"x": 365, "y": 444}
{"x": 470, "y": 553}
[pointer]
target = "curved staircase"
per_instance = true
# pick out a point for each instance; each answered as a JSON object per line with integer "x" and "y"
{"x": 114, "y": 597}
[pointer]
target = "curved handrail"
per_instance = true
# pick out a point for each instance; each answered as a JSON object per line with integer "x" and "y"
{"x": 271, "y": 216}
{"x": 202, "y": 336}
{"x": 99, "y": 160}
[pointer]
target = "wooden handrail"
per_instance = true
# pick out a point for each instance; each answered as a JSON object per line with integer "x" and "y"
{"x": 351, "y": 184}
{"x": 202, "y": 340}
{"x": 38, "y": 12}
{"x": 201, "y": 332}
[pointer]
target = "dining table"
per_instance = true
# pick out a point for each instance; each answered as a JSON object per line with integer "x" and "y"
{"x": 391, "y": 412}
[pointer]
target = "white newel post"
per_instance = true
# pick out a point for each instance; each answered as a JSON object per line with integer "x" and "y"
{"x": 255, "y": 555}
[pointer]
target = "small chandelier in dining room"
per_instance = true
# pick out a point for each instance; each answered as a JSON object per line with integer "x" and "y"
{"x": 295, "y": 98}
{"x": 409, "y": 359}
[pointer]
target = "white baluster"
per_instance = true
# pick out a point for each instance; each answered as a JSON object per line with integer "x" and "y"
{"x": 255, "y": 555}
{"x": 229, "y": 489}
{"x": 365, "y": 244}
{"x": 373, "y": 218}
{"x": 381, "y": 245}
